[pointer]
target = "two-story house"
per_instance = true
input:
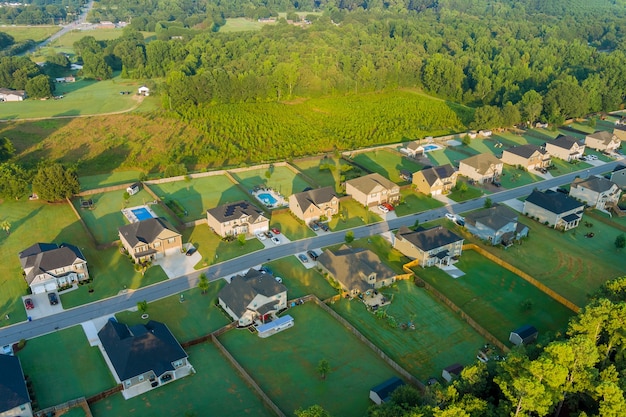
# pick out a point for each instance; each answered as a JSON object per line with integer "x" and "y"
{"x": 482, "y": 168}
{"x": 618, "y": 176}
{"x": 253, "y": 297}
{"x": 312, "y": 204}
{"x": 566, "y": 148}
{"x": 372, "y": 190}
{"x": 554, "y": 209}
{"x": 14, "y": 398}
{"x": 357, "y": 270}
{"x": 434, "y": 246}
{"x": 528, "y": 156}
{"x": 596, "y": 192}
{"x": 48, "y": 266}
{"x": 497, "y": 224}
{"x": 620, "y": 131}
{"x": 150, "y": 239}
{"x": 237, "y": 218}
{"x": 435, "y": 180}
{"x": 603, "y": 141}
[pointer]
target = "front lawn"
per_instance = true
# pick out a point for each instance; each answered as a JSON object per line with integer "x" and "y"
{"x": 564, "y": 167}
{"x": 213, "y": 249}
{"x": 352, "y": 214}
{"x": 292, "y": 228}
{"x": 459, "y": 196}
{"x": 387, "y": 163}
{"x": 415, "y": 202}
{"x": 513, "y": 177}
{"x": 301, "y": 281}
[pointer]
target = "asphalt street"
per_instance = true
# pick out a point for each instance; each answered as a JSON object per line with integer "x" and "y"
{"x": 109, "y": 306}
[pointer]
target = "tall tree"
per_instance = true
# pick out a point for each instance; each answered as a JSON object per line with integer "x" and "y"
{"x": 55, "y": 182}
{"x": 13, "y": 181}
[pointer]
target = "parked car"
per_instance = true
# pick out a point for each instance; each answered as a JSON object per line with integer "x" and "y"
{"x": 279, "y": 280}
{"x": 314, "y": 226}
{"x": 276, "y": 240}
{"x": 275, "y": 231}
{"x": 388, "y": 206}
{"x": 303, "y": 258}
{"x": 28, "y": 303}
{"x": 269, "y": 234}
{"x": 383, "y": 208}
{"x": 451, "y": 216}
{"x": 324, "y": 227}
{"x": 265, "y": 270}
{"x": 52, "y": 297}
{"x": 191, "y": 251}
{"x": 312, "y": 255}
{"x": 261, "y": 236}
{"x": 497, "y": 183}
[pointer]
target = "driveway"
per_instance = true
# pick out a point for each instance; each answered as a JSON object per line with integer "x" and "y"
{"x": 42, "y": 306}
{"x": 176, "y": 264}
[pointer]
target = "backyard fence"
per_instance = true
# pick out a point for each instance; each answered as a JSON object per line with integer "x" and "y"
{"x": 104, "y": 189}
{"x": 65, "y": 407}
{"x": 163, "y": 205}
{"x": 82, "y": 222}
{"x": 104, "y": 394}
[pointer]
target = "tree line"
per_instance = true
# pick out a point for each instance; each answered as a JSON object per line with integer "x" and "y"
{"x": 41, "y": 12}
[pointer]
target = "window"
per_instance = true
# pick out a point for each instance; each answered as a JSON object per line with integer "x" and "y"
{"x": 157, "y": 244}
{"x": 178, "y": 363}
{"x": 127, "y": 383}
{"x": 81, "y": 276}
{"x": 140, "y": 378}
{"x": 171, "y": 240}
{"x": 80, "y": 266}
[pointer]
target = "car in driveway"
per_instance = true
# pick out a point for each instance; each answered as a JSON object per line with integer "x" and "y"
{"x": 52, "y": 297}
{"x": 303, "y": 258}
{"x": 383, "y": 208}
{"x": 276, "y": 240}
{"x": 314, "y": 226}
{"x": 387, "y": 206}
{"x": 28, "y": 303}
{"x": 191, "y": 251}
{"x": 324, "y": 227}
{"x": 313, "y": 255}
{"x": 275, "y": 231}
{"x": 261, "y": 236}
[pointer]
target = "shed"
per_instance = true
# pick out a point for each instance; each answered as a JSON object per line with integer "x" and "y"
{"x": 523, "y": 335}
{"x": 133, "y": 188}
{"x": 143, "y": 91}
{"x": 451, "y": 371}
{"x": 382, "y": 393}
{"x": 273, "y": 327}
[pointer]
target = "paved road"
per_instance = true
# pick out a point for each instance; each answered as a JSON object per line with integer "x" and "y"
{"x": 68, "y": 318}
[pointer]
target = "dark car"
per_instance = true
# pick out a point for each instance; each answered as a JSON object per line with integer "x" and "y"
{"x": 324, "y": 227}
{"x": 191, "y": 251}
{"x": 28, "y": 303}
{"x": 303, "y": 258}
{"x": 312, "y": 255}
{"x": 315, "y": 226}
{"x": 497, "y": 183}
{"x": 52, "y": 297}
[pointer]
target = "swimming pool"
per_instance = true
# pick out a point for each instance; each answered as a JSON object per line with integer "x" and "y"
{"x": 267, "y": 198}
{"x": 141, "y": 213}
{"x": 430, "y": 147}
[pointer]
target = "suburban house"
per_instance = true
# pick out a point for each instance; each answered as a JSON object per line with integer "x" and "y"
{"x": 381, "y": 393}
{"x": 435, "y": 180}
{"x": 482, "y": 168}
{"x": 618, "y": 175}
{"x": 7, "y": 94}
{"x": 566, "y": 148}
{"x": 620, "y": 131}
{"x": 134, "y": 188}
{"x": 451, "y": 372}
{"x": 313, "y": 204}
{"x": 413, "y": 149}
{"x": 241, "y": 217}
{"x": 150, "y": 239}
{"x": 554, "y": 209}
{"x": 252, "y": 297}
{"x": 143, "y": 91}
{"x": 528, "y": 156}
{"x": 524, "y": 335}
{"x": 356, "y": 270}
{"x": 14, "y": 398}
{"x": 143, "y": 357}
{"x": 497, "y": 224}
{"x": 596, "y": 192}
{"x": 603, "y": 141}
{"x": 48, "y": 266}
{"x": 434, "y": 246}
{"x": 372, "y": 190}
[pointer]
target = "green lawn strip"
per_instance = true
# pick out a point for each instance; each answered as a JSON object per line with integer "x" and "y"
{"x": 485, "y": 145}
{"x": 75, "y": 412}
{"x": 209, "y": 245}
{"x": 216, "y": 389}
{"x": 576, "y": 135}
{"x": 285, "y": 364}
{"x": 281, "y": 179}
{"x": 301, "y": 281}
{"x": 495, "y": 297}
{"x": 291, "y": 227}
{"x": 62, "y": 367}
{"x": 352, "y": 214}
{"x": 323, "y": 177}
{"x": 451, "y": 155}
{"x": 241, "y": 24}
{"x": 564, "y": 167}
{"x": 510, "y": 139}
{"x": 105, "y": 180}
{"x": 513, "y": 177}
{"x": 36, "y": 33}
{"x": 583, "y": 127}
{"x": 197, "y": 195}
{"x": 472, "y": 192}
{"x": 415, "y": 202}
{"x": 387, "y": 163}
{"x": 440, "y": 337}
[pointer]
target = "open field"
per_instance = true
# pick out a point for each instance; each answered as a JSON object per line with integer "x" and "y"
{"x": 415, "y": 202}
{"x": 92, "y": 182}
{"x": 215, "y": 390}
{"x": 495, "y": 297}
{"x": 290, "y": 226}
{"x": 36, "y": 33}
{"x": 281, "y": 179}
{"x": 241, "y": 24}
{"x": 297, "y": 351}
{"x": 301, "y": 281}
{"x": 352, "y": 214}
{"x": 213, "y": 249}
{"x": 387, "y": 163}
{"x": 62, "y": 367}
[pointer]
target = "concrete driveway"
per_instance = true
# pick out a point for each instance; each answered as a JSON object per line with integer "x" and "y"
{"x": 42, "y": 306}
{"x": 176, "y": 264}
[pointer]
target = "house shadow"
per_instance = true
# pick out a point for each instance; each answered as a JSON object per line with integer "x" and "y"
{"x": 186, "y": 203}
{"x": 73, "y": 112}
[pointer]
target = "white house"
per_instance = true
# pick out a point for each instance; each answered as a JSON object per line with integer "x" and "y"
{"x": 596, "y": 192}
{"x": 143, "y": 91}
{"x": 48, "y": 266}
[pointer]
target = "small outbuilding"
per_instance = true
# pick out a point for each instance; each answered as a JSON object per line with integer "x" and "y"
{"x": 524, "y": 335}
{"x": 382, "y": 393}
{"x": 276, "y": 326}
{"x": 143, "y": 91}
{"x": 451, "y": 371}
{"x": 133, "y": 188}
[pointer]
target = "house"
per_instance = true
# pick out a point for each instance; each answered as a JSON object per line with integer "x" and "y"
{"x": 142, "y": 357}
{"x": 6, "y": 94}
{"x": 252, "y": 297}
{"x": 618, "y": 176}
{"x": 566, "y": 148}
{"x": 435, "y": 180}
{"x": 68, "y": 79}
{"x": 413, "y": 149}
{"x": 143, "y": 91}
{"x": 496, "y": 224}
{"x": 434, "y": 246}
{"x": 485, "y": 133}
{"x": 133, "y": 188}
{"x": 241, "y": 217}
{"x": 603, "y": 141}
{"x": 381, "y": 393}
{"x": 451, "y": 372}
{"x": 372, "y": 190}
{"x": 106, "y": 24}
{"x": 14, "y": 398}
{"x": 596, "y": 192}
{"x": 620, "y": 131}
{"x": 356, "y": 270}
{"x": 524, "y": 335}
{"x": 482, "y": 168}
{"x": 48, "y": 266}
{"x": 554, "y": 209}
{"x": 150, "y": 239}
{"x": 313, "y": 204}
{"x": 527, "y": 156}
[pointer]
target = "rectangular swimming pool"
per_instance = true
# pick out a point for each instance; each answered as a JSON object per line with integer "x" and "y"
{"x": 141, "y": 213}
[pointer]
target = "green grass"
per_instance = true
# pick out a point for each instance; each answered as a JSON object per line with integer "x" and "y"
{"x": 291, "y": 227}
{"x": 322, "y": 177}
{"x": 75, "y": 412}
{"x": 513, "y": 177}
{"x": 284, "y": 365}
{"x": 105, "y": 180}
{"x": 564, "y": 167}
{"x": 415, "y": 202}
{"x": 450, "y": 155}
{"x": 215, "y": 390}
{"x": 103, "y": 34}
{"x": 62, "y": 366}
{"x": 209, "y": 245}
{"x": 382, "y": 248}
{"x": 241, "y": 24}
{"x": 301, "y": 281}
{"x": 494, "y": 297}
{"x": 282, "y": 179}
{"x": 387, "y": 163}
{"x": 458, "y": 196}
{"x": 36, "y": 33}
{"x": 352, "y": 214}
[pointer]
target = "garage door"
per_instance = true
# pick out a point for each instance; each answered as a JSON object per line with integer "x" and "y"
{"x": 39, "y": 289}
{"x": 51, "y": 286}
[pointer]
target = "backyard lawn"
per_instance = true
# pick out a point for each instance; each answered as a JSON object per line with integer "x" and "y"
{"x": 281, "y": 179}
{"x": 496, "y": 298}
{"x": 291, "y": 227}
{"x": 284, "y": 365}
{"x": 105, "y": 180}
{"x": 387, "y": 163}
{"x": 415, "y": 202}
{"x": 62, "y": 366}
{"x": 213, "y": 249}
{"x": 301, "y": 281}
{"x": 323, "y": 177}
{"x": 352, "y": 214}
{"x": 450, "y": 155}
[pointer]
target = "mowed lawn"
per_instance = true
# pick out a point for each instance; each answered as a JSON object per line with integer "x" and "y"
{"x": 415, "y": 202}
{"x": 216, "y": 389}
{"x": 513, "y": 177}
{"x": 62, "y": 366}
{"x": 213, "y": 249}
{"x": 285, "y": 364}
{"x": 387, "y": 163}
{"x": 290, "y": 226}
{"x": 197, "y": 195}
{"x": 352, "y": 214}
{"x": 322, "y": 177}
{"x": 301, "y": 281}
{"x": 106, "y": 180}
{"x": 450, "y": 155}
{"x": 495, "y": 297}
{"x": 37, "y": 33}
{"x": 281, "y": 179}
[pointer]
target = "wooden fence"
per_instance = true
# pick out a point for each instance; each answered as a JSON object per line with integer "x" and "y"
{"x": 65, "y": 407}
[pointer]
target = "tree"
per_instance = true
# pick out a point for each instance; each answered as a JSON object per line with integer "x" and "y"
{"x": 323, "y": 367}
{"x": 203, "y": 283}
{"x": 55, "y": 182}
{"x": 13, "y": 181}
{"x": 7, "y": 150}
{"x": 39, "y": 87}
{"x": 96, "y": 67}
{"x": 462, "y": 187}
{"x": 126, "y": 196}
{"x": 488, "y": 202}
{"x": 531, "y": 106}
{"x": 6, "y": 226}
{"x": 142, "y": 306}
{"x": 620, "y": 241}
{"x": 312, "y": 411}
{"x": 241, "y": 238}
{"x": 487, "y": 117}
{"x": 349, "y": 236}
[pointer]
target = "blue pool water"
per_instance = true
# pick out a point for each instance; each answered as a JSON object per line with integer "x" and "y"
{"x": 267, "y": 198}
{"x": 428, "y": 148}
{"x": 142, "y": 213}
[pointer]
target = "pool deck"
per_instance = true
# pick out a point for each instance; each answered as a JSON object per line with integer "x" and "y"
{"x": 131, "y": 217}
{"x": 280, "y": 200}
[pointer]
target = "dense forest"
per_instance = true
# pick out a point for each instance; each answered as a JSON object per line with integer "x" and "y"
{"x": 40, "y": 12}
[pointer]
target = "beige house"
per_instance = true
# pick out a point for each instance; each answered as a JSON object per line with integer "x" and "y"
{"x": 596, "y": 192}
{"x": 356, "y": 270}
{"x": 48, "y": 266}
{"x": 7, "y": 94}
{"x": 528, "y": 156}
{"x": 413, "y": 149}
{"x": 603, "y": 141}
{"x": 482, "y": 168}
{"x": 566, "y": 148}
{"x": 435, "y": 180}
{"x": 554, "y": 209}
{"x": 434, "y": 246}
{"x": 14, "y": 398}
{"x": 618, "y": 176}
{"x": 150, "y": 239}
{"x": 237, "y": 218}
{"x": 620, "y": 131}
{"x": 313, "y": 204}
{"x": 372, "y": 190}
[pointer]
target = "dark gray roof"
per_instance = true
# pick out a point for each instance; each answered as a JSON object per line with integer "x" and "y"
{"x": 565, "y": 142}
{"x": 429, "y": 239}
{"x": 525, "y": 331}
{"x": 46, "y": 257}
{"x": 145, "y": 231}
{"x": 553, "y": 201}
{"x": 454, "y": 369}
{"x": 242, "y": 289}
{"x": 13, "y": 391}
{"x": 141, "y": 348}
{"x": 135, "y": 185}
{"x": 526, "y": 151}
{"x": 618, "y": 167}
{"x": 385, "y": 389}
{"x": 237, "y": 210}
{"x": 597, "y": 184}
{"x": 495, "y": 217}
{"x": 432, "y": 174}
{"x": 316, "y": 197}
